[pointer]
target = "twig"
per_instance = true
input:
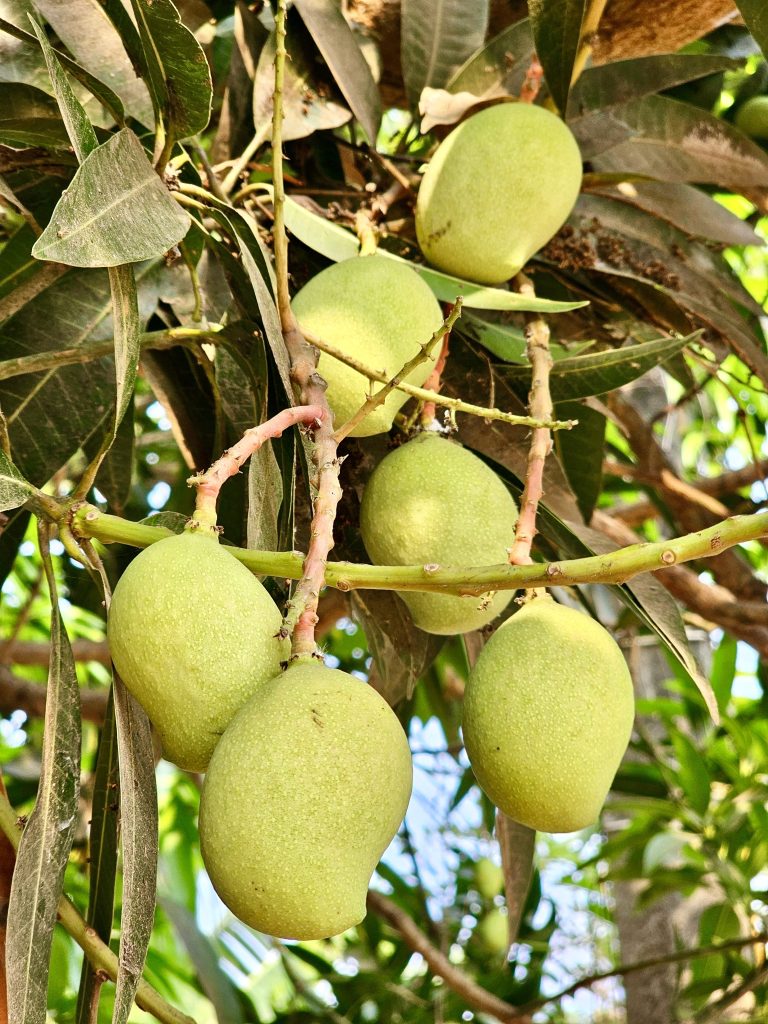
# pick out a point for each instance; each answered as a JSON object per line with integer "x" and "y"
{"x": 213, "y": 182}
{"x": 424, "y": 353}
{"x": 540, "y": 407}
{"x": 675, "y": 957}
{"x": 100, "y": 955}
{"x": 301, "y": 617}
{"x": 209, "y": 483}
{"x": 474, "y": 995}
{"x": 712, "y": 1013}
{"x": 425, "y": 395}
{"x": 239, "y": 165}
{"x": 27, "y": 291}
{"x": 612, "y": 567}
{"x": 666, "y": 480}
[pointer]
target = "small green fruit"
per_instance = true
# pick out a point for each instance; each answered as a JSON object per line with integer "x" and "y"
{"x": 305, "y": 791}
{"x": 192, "y": 634}
{"x": 497, "y": 189}
{"x": 548, "y": 713}
{"x": 752, "y": 118}
{"x": 379, "y": 312}
{"x": 489, "y": 878}
{"x": 433, "y": 502}
{"x": 493, "y": 932}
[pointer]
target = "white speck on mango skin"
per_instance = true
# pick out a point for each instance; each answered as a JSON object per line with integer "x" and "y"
{"x": 548, "y": 712}
{"x": 192, "y": 634}
{"x": 305, "y": 791}
{"x": 433, "y": 502}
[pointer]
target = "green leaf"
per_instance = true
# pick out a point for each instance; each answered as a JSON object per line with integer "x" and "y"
{"x": 500, "y": 66}
{"x": 755, "y": 15}
{"x": 599, "y": 372}
{"x": 673, "y": 141}
{"x": 102, "y": 855}
{"x": 341, "y": 52}
{"x": 724, "y": 670}
{"x": 556, "y": 28}
{"x": 125, "y": 315}
{"x": 138, "y": 797}
{"x": 437, "y": 37}
{"x": 116, "y": 210}
{"x": 79, "y": 128}
{"x": 337, "y": 244}
{"x": 506, "y": 342}
{"x": 178, "y": 75}
{"x": 14, "y": 489}
{"x": 38, "y": 878}
{"x": 212, "y": 978}
{"x": 608, "y": 85}
{"x": 693, "y": 773}
{"x": 581, "y": 452}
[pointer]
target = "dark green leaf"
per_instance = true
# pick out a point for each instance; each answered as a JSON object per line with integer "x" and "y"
{"x": 44, "y": 850}
{"x": 621, "y": 81}
{"x": 507, "y": 342}
{"x": 213, "y": 980}
{"x": 102, "y": 856}
{"x": 16, "y": 262}
{"x": 599, "y": 372}
{"x": 674, "y": 141}
{"x": 401, "y": 652}
{"x": 12, "y": 530}
{"x": 178, "y": 75}
{"x": 116, "y": 470}
{"x": 500, "y": 66}
{"x": 755, "y": 15}
{"x": 437, "y": 37}
{"x": 79, "y": 128}
{"x": 44, "y": 133}
{"x": 116, "y": 210}
{"x": 581, "y": 452}
{"x": 14, "y": 489}
{"x": 556, "y": 28}
{"x": 341, "y": 52}
{"x": 127, "y": 325}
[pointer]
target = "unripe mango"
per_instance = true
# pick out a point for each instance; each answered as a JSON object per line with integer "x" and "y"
{"x": 379, "y": 312}
{"x": 489, "y": 878}
{"x": 752, "y": 118}
{"x": 497, "y": 189}
{"x": 305, "y": 791}
{"x": 192, "y": 634}
{"x": 432, "y": 501}
{"x": 548, "y": 713}
{"x": 493, "y": 932}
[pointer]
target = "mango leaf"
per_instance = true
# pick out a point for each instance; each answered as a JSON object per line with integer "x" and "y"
{"x": 16, "y": 262}
{"x": 674, "y": 141}
{"x": 115, "y": 473}
{"x": 177, "y": 72}
{"x": 341, "y": 52}
{"x": 305, "y": 109}
{"x": 102, "y": 856}
{"x": 724, "y": 671}
{"x": 14, "y": 489}
{"x": 125, "y": 316}
{"x": 79, "y": 128}
{"x": 116, "y": 210}
{"x": 12, "y": 532}
{"x": 40, "y": 132}
{"x": 437, "y": 37}
{"x": 556, "y": 28}
{"x": 106, "y": 96}
{"x": 336, "y": 243}
{"x": 608, "y": 85}
{"x": 693, "y": 774}
{"x": 47, "y": 839}
{"x": 138, "y": 797}
{"x": 684, "y": 206}
{"x": 507, "y": 342}
{"x": 755, "y": 15}
{"x": 581, "y": 452}
{"x": 213, "y": 981}
{"x": 500, "y": 66}
{"x": 599, "y": 372}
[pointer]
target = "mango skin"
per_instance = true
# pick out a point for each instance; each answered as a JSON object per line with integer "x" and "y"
{"x": 489, "y": 878}
{"x": 752, "y": 118}
{"x": 304, "y": 793}
{"x": 496, "y": 191}
{"x": 379, "y": 312}
{"x": 192, "y": 634}
{"x": 548, "y": 712}
{"x": 432, "y": 501}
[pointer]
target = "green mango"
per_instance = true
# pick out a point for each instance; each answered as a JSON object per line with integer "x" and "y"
{"x": 752, "y": 118}
{"x": 489, "y": 878}
{"x": 304, "y": 793}
{"x": 431, "y": 501}
{"x": 496, "y": 191}
{"x": 548, "y": 712}
{"x": 192, "y": 634}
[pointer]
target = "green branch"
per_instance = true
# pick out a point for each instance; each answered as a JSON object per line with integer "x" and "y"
{"x": 613, "y": 567}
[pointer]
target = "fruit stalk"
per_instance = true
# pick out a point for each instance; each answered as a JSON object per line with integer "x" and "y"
{"x": 210, "y": 482}
{"x": 99, "y": 954}
{"x": 540, "y": 407}
{"x": 423, "y": 354}
{"x": 301, "y": 616}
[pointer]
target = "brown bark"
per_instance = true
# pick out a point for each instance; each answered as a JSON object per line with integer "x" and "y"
{"x": 7, "y": 862}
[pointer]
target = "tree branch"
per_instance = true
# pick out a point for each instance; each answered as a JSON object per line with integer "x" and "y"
{"x": 459, "y": 982}
{"x": 17, "y": 694}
